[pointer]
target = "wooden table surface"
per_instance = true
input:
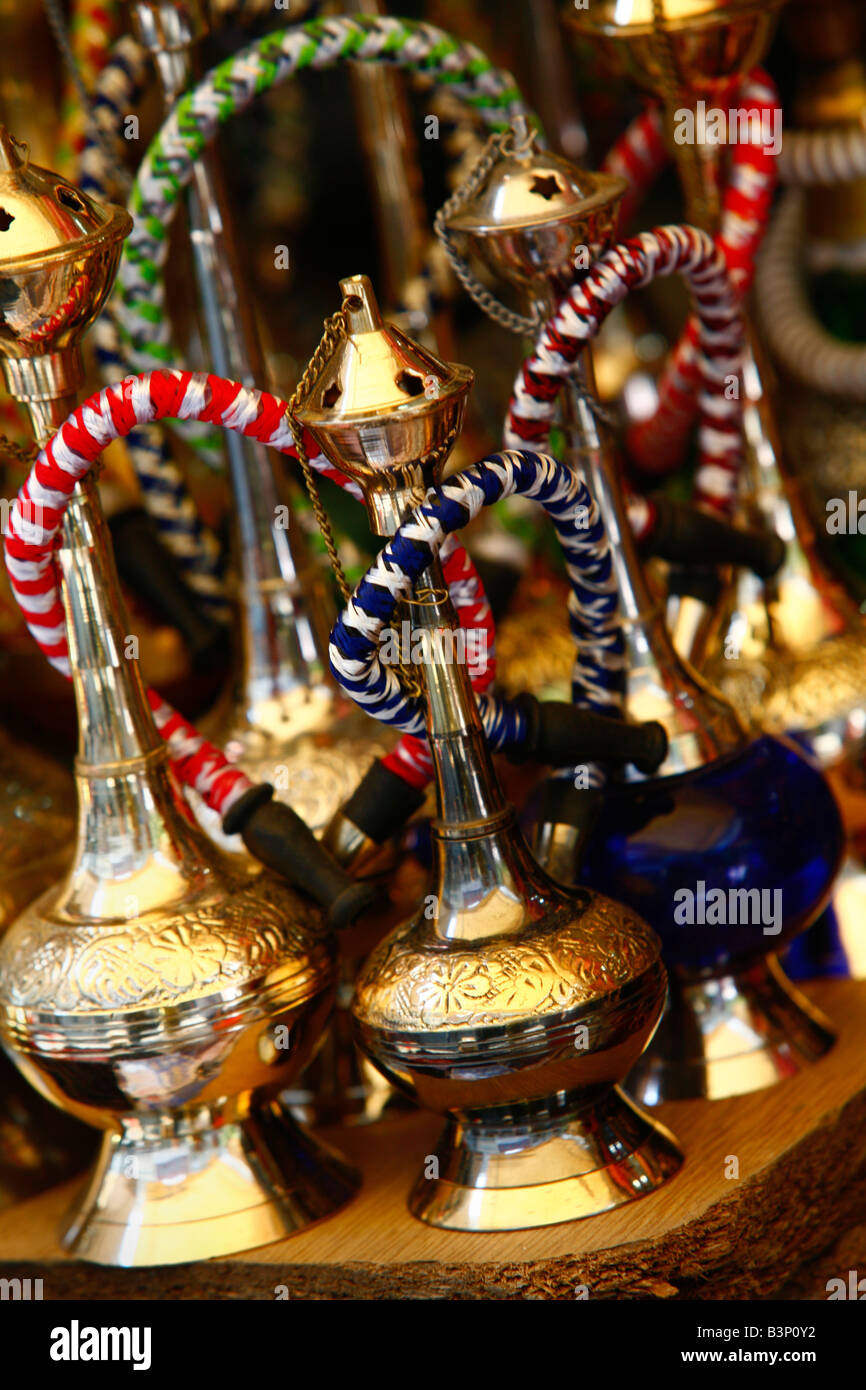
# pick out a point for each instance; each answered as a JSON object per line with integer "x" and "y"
{"x": 800, "y": 1198}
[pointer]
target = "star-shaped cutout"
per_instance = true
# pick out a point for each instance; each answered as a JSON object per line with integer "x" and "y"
{"x": 6, "y": 220}
{"x": 545, "y": 185}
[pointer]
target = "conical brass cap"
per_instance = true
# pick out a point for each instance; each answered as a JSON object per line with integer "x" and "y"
{"x": 383, "y": 409}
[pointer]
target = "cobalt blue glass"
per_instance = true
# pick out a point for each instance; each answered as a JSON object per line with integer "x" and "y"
{"x": 762, "y": 818}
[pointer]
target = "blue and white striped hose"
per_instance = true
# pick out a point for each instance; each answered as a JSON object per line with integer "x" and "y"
{"x": 593, "y": 609}
{"x": 116, "y": 95}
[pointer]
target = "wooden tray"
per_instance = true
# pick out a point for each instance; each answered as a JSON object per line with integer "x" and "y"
{"x": 794, "y": 1218}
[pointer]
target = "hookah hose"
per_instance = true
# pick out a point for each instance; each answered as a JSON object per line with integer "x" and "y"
{"x": 112, "y": 414}
{"x": 796, "y": 337}
{"x": 718, "y": 340}
{"x": 83, "y": 44}
{"x": 638, "y": 156}
{"x": 625, "y": 266}
{"x": 448, "y": 506}
{"x": 658, "y": 443}
{"x": 823, "y": 156}
{"x": 30, "y": 540}
{"x": 193, "y": 547}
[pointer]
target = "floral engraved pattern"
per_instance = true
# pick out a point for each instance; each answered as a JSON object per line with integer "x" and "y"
{"x": 163, "y": 958}
{"x": 542, "y": 971}
{"x": 795, "y": 692}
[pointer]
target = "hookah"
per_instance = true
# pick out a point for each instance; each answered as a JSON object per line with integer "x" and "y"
{"x": 508, "y": 1003}
{"x": 157, "y": 992}
{"x": 715, "y": 812}
{"x": 284, "y": 721}
{"x": 358, "y": 834}
{"x": 788, "y": 653}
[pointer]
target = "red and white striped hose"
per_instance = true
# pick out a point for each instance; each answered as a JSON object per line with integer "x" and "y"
{"x": 658, "y": 443}
{"x": 825, "y": 157}
{"x": 719, "y": 343}
{"x": 638, "y": 156}
{"x": 37, "y": 516}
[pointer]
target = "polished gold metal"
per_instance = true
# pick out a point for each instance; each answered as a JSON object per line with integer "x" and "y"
{"x": 711, "y": 40}
{"x": 155, "y": 992}
{"x": 682, "y": 51}
{"x": 509, "y": 1004}
{"x": 533, "y": 210}
{"x": 701, "y": 725}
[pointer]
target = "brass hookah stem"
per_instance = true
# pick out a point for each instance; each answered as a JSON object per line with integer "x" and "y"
{"x": 115, "y": 727}
{"x": 700, "y": 190}
{"x": 468, "y": 790}
{"x": 285, "y": 615}
{"x": 392, "y": 159}
{"x": 479, "y": 850}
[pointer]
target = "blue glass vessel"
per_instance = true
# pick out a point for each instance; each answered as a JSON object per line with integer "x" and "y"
{"x": 685, "y": 851}
{"x": 729, "y": 863}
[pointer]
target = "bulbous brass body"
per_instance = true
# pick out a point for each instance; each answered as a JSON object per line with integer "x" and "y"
{"x": 508, "y": 1003}
{"x": 154, "y": 993}
{"x": 519, "y": 1036}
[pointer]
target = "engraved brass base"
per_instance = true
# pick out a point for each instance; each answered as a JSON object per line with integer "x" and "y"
{"x": 520, "y": 1166}
{"x": 171, "y": 1197}
{"x": 728, "y": 1035}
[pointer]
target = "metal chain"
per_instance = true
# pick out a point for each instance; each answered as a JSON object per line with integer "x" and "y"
{"x": 24, "y": 454}
{"x": 498, "y": 144}
{"x": 334, "y": 332}
{"x": 599, "y": 412}
{"x": 699, "y": 209}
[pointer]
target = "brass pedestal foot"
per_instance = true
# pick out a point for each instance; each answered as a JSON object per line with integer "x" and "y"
{"x": 728, "y": 1035}
{"x": 163, "y": 1195}
{"x": 513, "y": 1168}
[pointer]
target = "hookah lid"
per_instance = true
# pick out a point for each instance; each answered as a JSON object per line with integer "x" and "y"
{"x": 528, "y": 187}
{"x": 528, "y": 214}
{"x": 58, "y": 255}
{"x": 42, "y": 215}
{"x": 381, "y": 404}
